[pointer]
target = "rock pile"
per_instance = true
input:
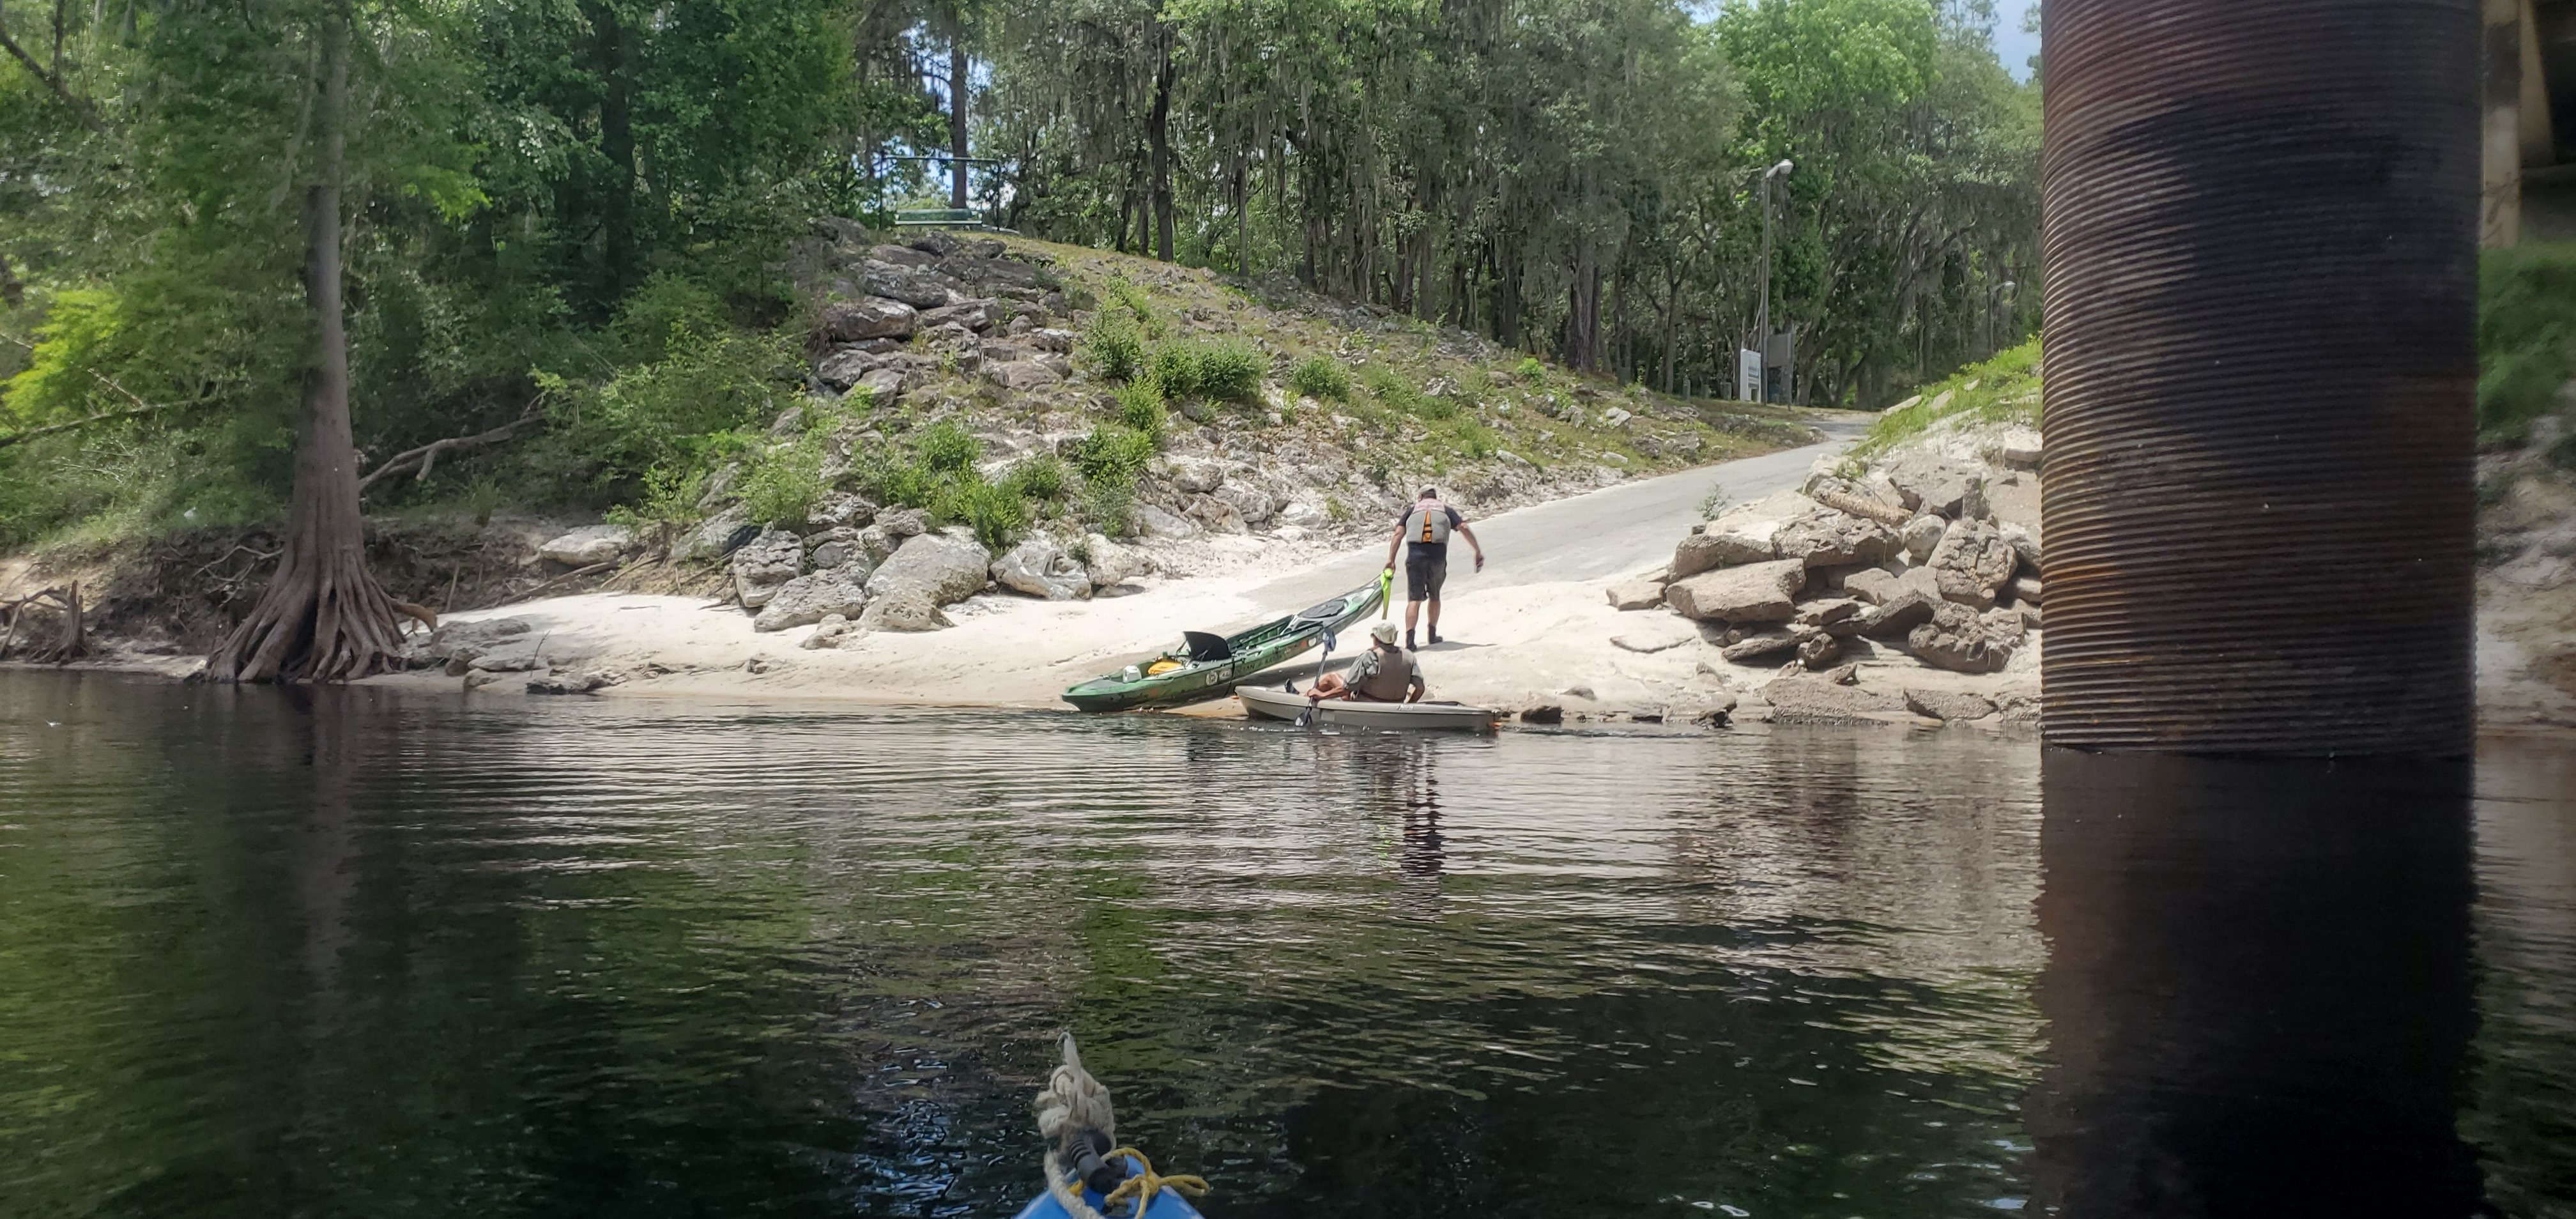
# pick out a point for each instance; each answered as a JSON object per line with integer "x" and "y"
{"x": 1909, "y": 555}
{"x": 977, "y": 306}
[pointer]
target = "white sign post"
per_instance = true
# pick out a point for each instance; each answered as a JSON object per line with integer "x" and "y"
{"x": 1748, "y": 374}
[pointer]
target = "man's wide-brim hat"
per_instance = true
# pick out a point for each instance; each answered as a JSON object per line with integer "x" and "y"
{"x": 1383, "y": 632}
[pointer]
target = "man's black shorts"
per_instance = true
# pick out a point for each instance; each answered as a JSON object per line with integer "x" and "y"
{"x": 1424, "y": 571}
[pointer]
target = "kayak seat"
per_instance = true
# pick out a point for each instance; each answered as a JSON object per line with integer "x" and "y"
{"x": 1205, "y": 647}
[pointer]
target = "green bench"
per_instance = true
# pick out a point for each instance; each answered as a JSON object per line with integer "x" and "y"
{"x": 938, "y": 218}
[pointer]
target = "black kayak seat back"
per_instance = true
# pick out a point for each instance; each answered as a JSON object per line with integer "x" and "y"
{"x": 1205, "y": 647}
{"x": 1324, "y": 613}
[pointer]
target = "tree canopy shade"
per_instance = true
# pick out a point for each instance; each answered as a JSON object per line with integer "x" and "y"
{"x": 1568, "y": 175}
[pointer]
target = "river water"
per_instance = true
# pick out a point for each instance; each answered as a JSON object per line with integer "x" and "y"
{"x": 362, "y": 953}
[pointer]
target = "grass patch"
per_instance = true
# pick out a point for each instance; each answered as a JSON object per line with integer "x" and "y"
{"x": 2526, "y": 335}
{"x": 1113, "y": 347}
{"x": 2006, "y": 389}
{"x": 1140, "y": 409}
{"x": 1321, "y": 377}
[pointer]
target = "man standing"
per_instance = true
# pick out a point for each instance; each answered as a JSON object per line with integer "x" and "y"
{"x": 1426, "y": 529}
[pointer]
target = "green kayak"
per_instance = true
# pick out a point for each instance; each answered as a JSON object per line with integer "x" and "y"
{"x": 1210, "y": 665}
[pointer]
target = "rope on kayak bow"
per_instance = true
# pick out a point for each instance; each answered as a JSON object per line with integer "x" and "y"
{"x": 1071, "y": 1108}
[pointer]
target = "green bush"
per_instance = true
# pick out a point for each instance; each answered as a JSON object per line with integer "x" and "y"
{"x": 784, "y": 484}
{"x": 1175, "y": 369}
{"x": 1038, "y": 478}
{"x": 1114, "y": 349}
{"x": 1231, "y": 371}
{"x": 1114, "y": 453}
{"x": 1110, "y": 507}
{"x": 994, "y": 511}
{"x": 948, "y": 447}
{"x": 1530, "y": 370}
{"x": 1390, "y": 388}
{"x": 2526, "y": 334}
{"x": 1140, "y": 406}
{"x": 1321, "y": 377}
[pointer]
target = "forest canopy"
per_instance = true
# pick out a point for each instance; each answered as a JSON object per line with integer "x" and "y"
{"x": 556, "y": 207}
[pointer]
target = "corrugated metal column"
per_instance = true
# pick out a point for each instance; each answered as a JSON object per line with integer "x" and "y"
{"x": 2261, "y": 246}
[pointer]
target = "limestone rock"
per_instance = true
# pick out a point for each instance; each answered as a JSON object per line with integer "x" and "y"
{"x": 1030, "y": 568}
{"x": 1158, "y": 523}
{"x": 1108, "y": 563}
{"x": 468, "y": 640}
{"x": 1755, "y": 592}
{"x": 1828, "y": 537}
{"x": 1711, "y": 550}
{"x": 1922, "y": 534}
{"x": 807, "y": 598}
{"x": 1756, "y": 647}
{"x": 2024, "y": 541}
{"x": 1305, "y": 515}
{"x": 1908, "y": 605}
{"x": 1972, "y": 563}
{"x": 1655, "y": 637}
{"x": 883, "y": 385}
{"x": 1948, "y": 705}
{"x": 843, "y": 368}
{"x": 2027, "y": 589}
{"x": 589, "y": 544}
{"x": 2020, "y": 449}
{"x": 1059, "y": 342}
{"x": 1251, "y": 503}
{"x": 1956, "y": 638}
{"x": 1636, "y": 594}
{"x": 1217, "y": 514}
{"x": 903, "y": 609}
{"x": 1872, "y": 585}
{"x": 1543, "y": 713}
{"x": 1819, "y": 650}
{"x": 1829, "y": 613}
{"x": 842, "y": 508}
{"x": 718, "y": 536}
{"x": 1197, "y": 477}
{"x": 943, "y": 569}
{"x": 831, "y": 632}
{"x": 971, "y": 314}
{"x": 1821, "y": 700}
{"x": 767, "y": 563}
{"x": 1938, "y": 487}
{"x": 869, "y": 318}
{"x": 569, "y": 683}
{"x": 1021, "y": 376}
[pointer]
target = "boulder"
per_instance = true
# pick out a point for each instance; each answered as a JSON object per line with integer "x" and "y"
{"x": 1021, "y": 376}
{"x": 943, "y": 568}
{"x": 971, "y": 314}
{"x": 868, "y": 318}
{"x": 584, "y": 682}
{"x": 882, "y": 386}
{"x": 1755, "y": 592}
{"x": 1956, "y": 638}
{"x": 1871, "y": 584}
{"x": 1543, "y": 713}
{"x": 937, "y": 243}
{"x": 1908, "y": 605}
{"x": 1659, "y": 636}
{"x": 1158, "y": 523}
{"x": 1030, "y": 568}
{"x": 1948, "y": 704}
{"x": 843, "y": 368}
{"x": 1217, "y": 514}
{"x": 1048, "y": 339}
{"x": 2026, "y": 590}
{"x": 1972, "y": 563}
{"x": 2024, "y": 541}
{"x": 1819, "y": 650}
{"x": 1615, "y": 417}
{"x": 1636, "y": 594}
{"x": 1829, "y": 613}
{"x": 1305, "y": 515}
{"x": 1108, "y": 563}
{"x": 842, "y": 508}
{"x": 1921, "y": 535}
{"x": 808, "y": 598}
{"x": 1253, "y": 504}
{"x": 918, "y": 289}
{"x": 1828, "y": 537}
{"x": 468, "y": 640}
{"x": 2020, "y": 449}
{"x": 904, "y": 609}
{"x": 1937, "y": 486}
{"x": 718, "y": 536}
{"x": 1822, "y": 700}
{"x": 1710, "y": 550}
{"x": 1197, "y": 477}
{"x": 767, "y": 563}
{"x": 1756, "y": 647}
{"x": 589, "y": 544}
{"x": 830, "y": 633}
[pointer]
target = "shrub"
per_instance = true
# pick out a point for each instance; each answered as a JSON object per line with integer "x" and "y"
{"x": 1175, "y": 369}
{"x": 1231, "y": 371}
{"x": 1321, "y": 377}
{"x": 1530, "y": 370}
{"x": 947, "y": 447}
{"x": 1114, "y": 453}
{"x": 784, "y": 484}
{"x": 994, "y": 511}
{"x": 1038, "y": 478}
{"x": 1140, "y": 406}
{"x": 1113, "y": 347}
{"x": 1110, "y": 507}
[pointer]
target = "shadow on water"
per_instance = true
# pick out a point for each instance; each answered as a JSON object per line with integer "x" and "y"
{"x": 362, "y": 953}
{"x": 2259, "y": 991}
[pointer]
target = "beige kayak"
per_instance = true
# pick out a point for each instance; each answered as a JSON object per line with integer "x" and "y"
{"x": 1346, "y": 713}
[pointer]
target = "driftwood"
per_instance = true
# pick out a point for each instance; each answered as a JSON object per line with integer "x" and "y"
{"x": 70, "y": 644}
{"x": 425, "y": 458}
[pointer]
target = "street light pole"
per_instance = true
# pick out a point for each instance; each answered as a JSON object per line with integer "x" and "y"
{"x": 1762, "y": 312}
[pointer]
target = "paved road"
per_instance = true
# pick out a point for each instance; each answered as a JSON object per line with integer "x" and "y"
{"x": 1611, "y": 532}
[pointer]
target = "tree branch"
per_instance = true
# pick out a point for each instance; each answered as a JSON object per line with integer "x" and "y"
{"x": 76, "y": 424}
{"x": 80, "y": 107}
{"x": 426, "y": 456}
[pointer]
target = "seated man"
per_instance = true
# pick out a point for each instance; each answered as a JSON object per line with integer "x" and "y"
{"x": 1383, "y": 674}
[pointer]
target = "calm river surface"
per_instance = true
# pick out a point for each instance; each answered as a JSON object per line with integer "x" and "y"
{"x": 355, "y": 953}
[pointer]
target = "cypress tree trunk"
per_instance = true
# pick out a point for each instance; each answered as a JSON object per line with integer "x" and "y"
{"x": 323, "y": 617}
{"x": 1158, "y": 133}
{"x": 957, "y": 123}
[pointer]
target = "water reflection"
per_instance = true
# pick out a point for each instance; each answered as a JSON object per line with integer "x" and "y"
{"x": 2258, "y": 990}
